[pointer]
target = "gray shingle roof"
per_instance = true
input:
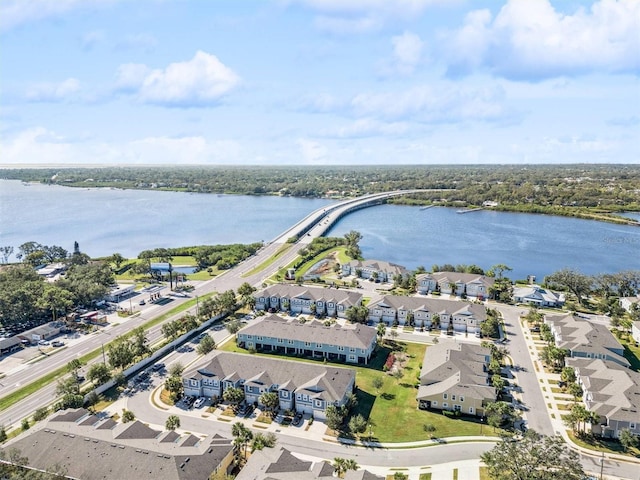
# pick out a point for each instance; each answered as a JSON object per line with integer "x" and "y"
{"x": 90, "y": 453}
{"x": 432, "y": 305}
{"x": 455, "y": 277}
{"x": 273, "y": 326}
{"x": 458, "y": 369}
{"x": 332, "y": 382}
{"x": 583, "y": 336}
{"x": 615, "y": 390}
{"x": 337, "y": 296}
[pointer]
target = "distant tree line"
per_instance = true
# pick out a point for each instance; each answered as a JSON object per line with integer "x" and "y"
{"x": 557, "y": 189}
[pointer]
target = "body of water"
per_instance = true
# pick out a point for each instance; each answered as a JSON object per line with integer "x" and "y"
{"x": 105, "y": 221}
{"x": 530, "y": 244}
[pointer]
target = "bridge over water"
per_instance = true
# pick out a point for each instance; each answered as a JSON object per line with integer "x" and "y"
{"x": 321, "y": 220}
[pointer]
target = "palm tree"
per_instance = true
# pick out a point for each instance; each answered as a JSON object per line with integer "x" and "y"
{"x": 381, "y": 330}
{"x": 242, "y": 436}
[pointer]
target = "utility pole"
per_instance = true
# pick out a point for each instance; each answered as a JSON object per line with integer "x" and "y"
{"x": 601, "y": 465}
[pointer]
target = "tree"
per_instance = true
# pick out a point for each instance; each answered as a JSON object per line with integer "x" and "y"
{"x": 98, "y": 373}
{"x": 69, "y": 385}
{"x": 121, "y": 353}
{"x": 498, "y": 383}
{"x": 353, "y": 239}
{"x": 171, "y": 330}
{"x": 377, "y": 383}
{"x": 628, "y": 440}
{"x": 498, "y": 270}
{"x": 270, "y": 401}
{"x": 233, "y": 395}
{"x": 357, "y": 424}
{"x": 500, "y": 413}
{"x": 381, "y": 329}
{"x": 399, "y": 476}
{"x": 568, "y": 375}
{"x": 357, "y": 314}
{"x": 25, "y": 425}
{"x": 40, "y": 414}
{"x": 5, "y": 253}
{"x": 341, "y": 465}
{"x": 261, "y": 440}
{"x": 577, "y": 283}
{"x": 246, "y": 294}
{"x": 242, "y": 436}
{"x": 176, "y": 369}
{"x": 139, "y": 342}
{"x": 172, "y": 423}
{"x": 74, "y": 366}
{"x": 206, "y": 345}
{"x": 535, "y": 457}
{"x": 334, "y": 417}
{"x": 55, "y": 298}
{"x": 173, "y": 384}
{"x": 127, "y": 416}
{"x": 117, "y": 259}
{"x": 3, "y": 434}
{"x": 233, "y": 326}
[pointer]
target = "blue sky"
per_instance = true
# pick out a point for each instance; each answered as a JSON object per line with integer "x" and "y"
{"x": 319, "y": 82}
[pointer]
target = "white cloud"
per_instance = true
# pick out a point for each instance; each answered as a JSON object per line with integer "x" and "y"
{"x": 14, "y": 13}
{"x": 360, "y": 16}
{"x": 39, "y": 146}
{"x": 531, "y": 40}
{"x": 407, "y": 55}
{"x": 199, "y": 82}
{"x": 139, "y": 41}
{"x": 65, "y": 91}
{"x": 92, "y": 39}
{"x": 312, "y": 152}
{"x": 367, "y": 127}
{"x": 441, "y": 104}
{"x": 320, "y": 103}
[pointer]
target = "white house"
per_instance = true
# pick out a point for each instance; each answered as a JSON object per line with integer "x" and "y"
{"x": 538, "y": 296}
{"x": 455, "y": 283}
{"x": 376, "y": 269}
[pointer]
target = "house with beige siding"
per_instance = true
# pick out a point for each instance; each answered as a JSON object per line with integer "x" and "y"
{"x": 538, "y": 296}
{"x": 612, "y": 392}
{"x": 421, "y": 312}
{"x": 302, "y": 387}
{"x": 376, "y": 269}
{"x": 455, "y": 283}
{"x": 336, "y": 343}
{"x": 584, "y": 339}
{"x": 455, "y": 377}
{"x": 320, "y": 301}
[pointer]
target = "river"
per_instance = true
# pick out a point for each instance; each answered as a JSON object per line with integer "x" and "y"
{"x": 105, "y": 221}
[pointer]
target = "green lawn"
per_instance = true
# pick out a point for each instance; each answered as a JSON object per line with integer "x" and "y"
{"x": 393, "y": 410}
{"x": 631, "y": 353}
{"x": 604, "y": 445}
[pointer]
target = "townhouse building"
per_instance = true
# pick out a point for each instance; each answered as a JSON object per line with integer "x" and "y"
{"x": 319, "y": 301}
{"x": 280, "y": 464}
{"x": 301, "y": 387}
{"x": 612, "y": 392}
{"x": 584, "y": 339}
{"x": 376, "y": 269}
{"x": 348, "y": 343}
{"x": 95, "y": 447}
{"x": 455, "y": 283}
{"x": 428, "y": 313}
{"x": 456, "y": 377}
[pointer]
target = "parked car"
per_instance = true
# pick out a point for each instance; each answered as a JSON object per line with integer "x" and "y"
{"x": 157, "y": 367}
{"x": 57, "y": 343}
{"x": 43, "y": 343}
{"x": 199, "y": 402}
{"x": 142, "y": 302}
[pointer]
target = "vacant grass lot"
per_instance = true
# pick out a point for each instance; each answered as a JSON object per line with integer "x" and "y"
{"x": 393, "y": 409}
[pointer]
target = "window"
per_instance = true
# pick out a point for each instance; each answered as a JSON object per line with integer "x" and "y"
{"x": 461, "y": 398}
{"x": 445, "y": 405}
{"x": 258, "y": 338}
{"x": 318, "y": 345}
{"x": 351, "y": 349}
{"x": 632, "y": 426}
{"x": 284, "y": 394}
{"x": 471, "y": 410}
{"x": 434, "y": 403}
{"x": 352, "y": 357}
{"x": 453, "y": 397}
{"x": 445, "y": 396}
{"x": 249, "y": 336}
{"x": 457, "y": 408}
{"x": 307, "y": 344}
{"x": 290, "y": 342}
{"x": 341, "y": 349}
{"x": 281, "y": 340}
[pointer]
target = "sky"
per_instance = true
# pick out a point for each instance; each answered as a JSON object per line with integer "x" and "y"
{"x": 319, "y": 82}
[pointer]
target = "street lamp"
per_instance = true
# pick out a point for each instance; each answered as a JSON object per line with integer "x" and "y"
{"x": 601, "y": 465}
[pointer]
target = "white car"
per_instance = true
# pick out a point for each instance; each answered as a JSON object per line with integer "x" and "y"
{"x": 199, "y": 402}
{"x": 44, "y": 343}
